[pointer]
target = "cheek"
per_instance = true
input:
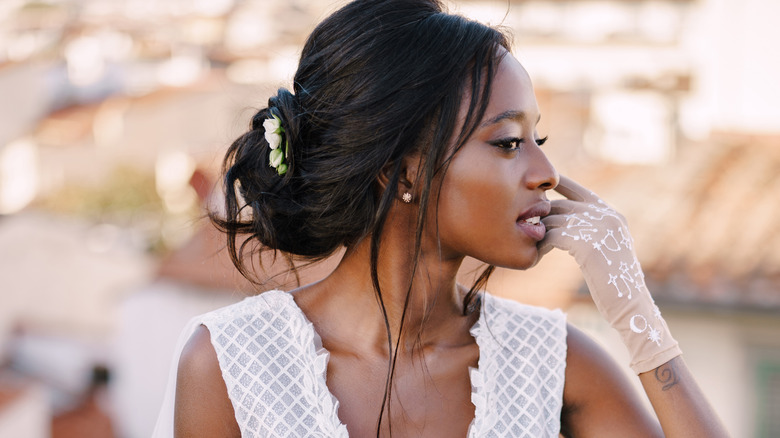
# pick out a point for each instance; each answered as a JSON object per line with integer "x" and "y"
{"x": 465, "y": 187}
{"x": 473, "y": 196}
{"x": 477, "y": 178}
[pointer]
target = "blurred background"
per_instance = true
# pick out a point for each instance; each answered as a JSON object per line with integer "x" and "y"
{"x": 114, "y": 115}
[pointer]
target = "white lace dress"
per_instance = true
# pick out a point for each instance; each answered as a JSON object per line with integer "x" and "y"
{"x": 274, "y": 367}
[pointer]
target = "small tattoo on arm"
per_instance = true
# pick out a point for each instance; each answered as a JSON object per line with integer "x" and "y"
{"x": 667, "y": 375}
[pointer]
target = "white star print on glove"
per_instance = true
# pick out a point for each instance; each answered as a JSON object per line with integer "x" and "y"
{"x": 598, "y": 239}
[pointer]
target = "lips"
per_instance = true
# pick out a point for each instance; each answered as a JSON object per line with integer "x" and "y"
{"x": 530, "y": 221}
{"x": 535, "y": 213}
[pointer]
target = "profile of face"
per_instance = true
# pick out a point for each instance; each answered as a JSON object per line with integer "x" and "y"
{"x": 494, "y": 191}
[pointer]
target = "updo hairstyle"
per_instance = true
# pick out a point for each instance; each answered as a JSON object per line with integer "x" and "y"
{"x": 377, "y": 80}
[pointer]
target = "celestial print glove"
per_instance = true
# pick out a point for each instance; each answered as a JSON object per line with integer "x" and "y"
{"x": 597, "y": 237}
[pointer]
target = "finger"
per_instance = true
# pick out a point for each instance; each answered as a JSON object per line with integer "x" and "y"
{"x": 571, "y": 190}
{"x": 555, "y": 221}
{"x": 566, "y": 206}
{"x": 552, "y": 239}
{"x": 544, "y": 247}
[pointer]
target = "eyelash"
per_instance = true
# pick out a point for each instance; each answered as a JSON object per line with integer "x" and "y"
{"x": 515, "y": 143}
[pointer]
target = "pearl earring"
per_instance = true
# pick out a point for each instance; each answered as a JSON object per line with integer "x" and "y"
{"x": 407, "y": 197}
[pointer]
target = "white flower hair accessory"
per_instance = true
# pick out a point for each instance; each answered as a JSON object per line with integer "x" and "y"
{"x": 273, "y": 135}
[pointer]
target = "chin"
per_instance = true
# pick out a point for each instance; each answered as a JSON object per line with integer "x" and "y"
{"x": 524, "y": 261}
{"x": 527, "y": 265}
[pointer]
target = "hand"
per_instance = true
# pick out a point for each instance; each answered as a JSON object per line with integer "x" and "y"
{"x": 597, "y": 237}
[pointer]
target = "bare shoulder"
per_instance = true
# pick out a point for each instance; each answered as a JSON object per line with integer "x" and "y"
{"x": 598, "y": 399}
{"x": 203, "y": 408}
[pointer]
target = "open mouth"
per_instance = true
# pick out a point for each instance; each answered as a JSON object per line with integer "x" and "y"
{"x": 533, "y": 220}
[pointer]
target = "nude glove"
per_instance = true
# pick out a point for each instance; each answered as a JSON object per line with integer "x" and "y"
{"x": 598, "y": 239}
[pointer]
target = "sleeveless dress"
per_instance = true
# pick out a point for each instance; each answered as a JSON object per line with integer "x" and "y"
{"x": 274, "y": 368}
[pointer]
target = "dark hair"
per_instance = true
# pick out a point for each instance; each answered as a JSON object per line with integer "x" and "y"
{"x": 377, "y": 80}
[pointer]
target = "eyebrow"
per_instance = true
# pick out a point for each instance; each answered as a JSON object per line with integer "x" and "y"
{"x": 507, "y": 115}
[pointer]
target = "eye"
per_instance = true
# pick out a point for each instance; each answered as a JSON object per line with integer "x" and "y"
{"x": 514, "y": 143}
{"x": 509, "y": 143}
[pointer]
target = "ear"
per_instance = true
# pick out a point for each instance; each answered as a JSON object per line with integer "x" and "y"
{"x": 410, "y": 165}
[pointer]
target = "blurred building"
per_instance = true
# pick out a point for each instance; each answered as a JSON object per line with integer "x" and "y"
{"x": 109, "y": 107}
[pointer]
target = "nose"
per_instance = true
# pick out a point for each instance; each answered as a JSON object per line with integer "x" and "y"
{"x": 540, "y": 173}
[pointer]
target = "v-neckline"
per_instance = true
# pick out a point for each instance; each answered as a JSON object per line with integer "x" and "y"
{"x": 321, "y": 353}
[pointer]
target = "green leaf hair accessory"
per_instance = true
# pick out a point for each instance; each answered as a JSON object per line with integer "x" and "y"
{"x": 273, "y": 135}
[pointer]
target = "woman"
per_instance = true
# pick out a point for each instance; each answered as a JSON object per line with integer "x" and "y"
{"x": 409, "y": 140}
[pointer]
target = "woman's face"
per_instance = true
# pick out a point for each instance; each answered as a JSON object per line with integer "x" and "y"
{"x": 493, "y": 193}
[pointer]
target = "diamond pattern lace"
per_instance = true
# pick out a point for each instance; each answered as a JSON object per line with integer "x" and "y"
{"x": 274, "y": 367}
{"x": 517, "y": 390}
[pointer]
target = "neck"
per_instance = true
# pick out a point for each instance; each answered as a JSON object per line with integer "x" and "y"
{"x": 423, "y": 306}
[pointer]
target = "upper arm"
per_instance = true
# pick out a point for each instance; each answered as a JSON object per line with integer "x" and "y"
{"x": 203, "y": 408}
{"x": 598, "y": 399}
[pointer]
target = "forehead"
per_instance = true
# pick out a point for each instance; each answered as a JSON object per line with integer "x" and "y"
{"x": 511, "y": 98}
{"x": 512, "y": 93}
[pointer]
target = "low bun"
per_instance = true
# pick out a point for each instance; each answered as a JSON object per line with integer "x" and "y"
{"x": 304, "y": 213}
